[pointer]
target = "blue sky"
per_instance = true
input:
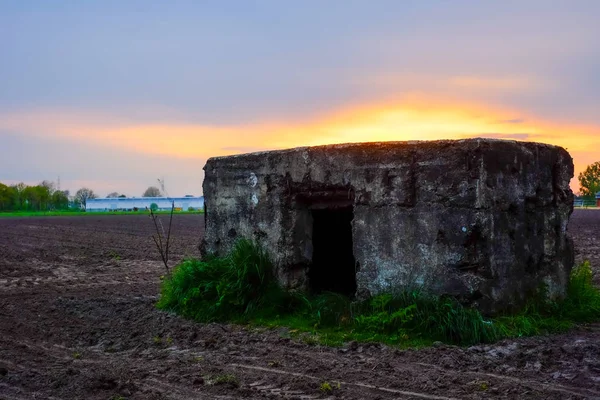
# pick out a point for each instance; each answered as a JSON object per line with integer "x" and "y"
{"x": 231, "y": 76}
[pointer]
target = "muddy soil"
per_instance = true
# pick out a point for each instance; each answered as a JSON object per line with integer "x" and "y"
{"x": 584, "y": 227}
{"x": 77, "y": 321}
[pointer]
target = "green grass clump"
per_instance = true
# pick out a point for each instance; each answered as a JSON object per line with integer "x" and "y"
{"x": 582, "y": 303}
{"x": 541, "y": 316}
{"x": 327, "y": 387}
{"x": 232, "y": 288}
{"x": 226, "y": 379}
{"x": 438, "y": 318}
{"x": 242, "y": 288}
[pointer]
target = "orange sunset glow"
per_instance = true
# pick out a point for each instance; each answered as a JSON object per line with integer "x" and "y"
{"x": 389, "y": 121}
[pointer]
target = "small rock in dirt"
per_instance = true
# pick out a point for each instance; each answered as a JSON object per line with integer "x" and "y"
{"x": 438, "y": 344}
{"x": 556, "y": 375}
{"x": 447, "y": 362}
{"x": 559, "y": 374}
{"x": 503, "y": 367}
{"x": 536, "y": 366}
{"x": 501, "y": 351}
{"x": 567, "y": 349}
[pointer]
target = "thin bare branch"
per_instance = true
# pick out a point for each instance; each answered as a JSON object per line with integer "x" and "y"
{"x": 169, "y": 231}
{"x": 162, "y": 243}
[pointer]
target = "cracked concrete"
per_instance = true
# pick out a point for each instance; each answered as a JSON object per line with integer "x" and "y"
{"x": 483, "y": 220}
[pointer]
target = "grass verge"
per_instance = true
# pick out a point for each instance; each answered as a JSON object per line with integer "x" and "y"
{"x": 242, "y": 288}
{"x": 83, "y": 213}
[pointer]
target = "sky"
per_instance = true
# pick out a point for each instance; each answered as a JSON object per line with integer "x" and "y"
{"x": 114, "y": 95}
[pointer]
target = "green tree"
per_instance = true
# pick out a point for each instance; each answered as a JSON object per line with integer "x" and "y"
{"x": 7, "y": 197}
{"x": 18, "y": 196}
{"x": 45, "y": 191}
{"x": 32, "y": 198}
{"x": 589, "y": 180}
{"x": 50, "y": 187}
{"x": 82, "y": 196}
{"x": 60, "y": 200}
{"x": 40, "y": 197}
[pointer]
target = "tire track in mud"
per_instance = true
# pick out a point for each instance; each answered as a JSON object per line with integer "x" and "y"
{"x": 283, "y": 389}
{"x": 64, "y": 275}
{"x": 358, "y": 384}
{"x": 289, "y": 392}
{"x": 572, "y": 391}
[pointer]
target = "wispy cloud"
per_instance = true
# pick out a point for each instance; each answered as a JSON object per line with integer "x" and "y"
{"x": 494, "y": 83}
{"x": 442, "y": 82}
{"x": 512, "y": 136}
{"x": 243, "y": 149}
{"x": 512, "y": 121}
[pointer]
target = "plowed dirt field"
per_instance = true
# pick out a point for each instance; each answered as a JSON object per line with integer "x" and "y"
{"x": 77, "y": 321}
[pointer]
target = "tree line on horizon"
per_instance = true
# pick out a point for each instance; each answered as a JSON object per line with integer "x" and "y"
{"x": 41, "y": 197}
{"x": 589, "y": 181}
{"x": 46, "y": 197}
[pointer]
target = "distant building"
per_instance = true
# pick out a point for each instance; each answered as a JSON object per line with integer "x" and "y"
{"x": 585, "y": 202}
{"x": 141, "y": 203}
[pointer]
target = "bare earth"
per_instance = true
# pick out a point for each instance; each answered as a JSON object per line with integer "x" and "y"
{"x": 77, "y": 321}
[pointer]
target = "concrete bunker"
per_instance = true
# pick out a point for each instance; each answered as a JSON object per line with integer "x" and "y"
{"x": 483, "y": 220}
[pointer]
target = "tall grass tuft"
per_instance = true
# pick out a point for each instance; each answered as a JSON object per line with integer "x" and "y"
{"x": 582, "y": 303}
{"x": 445, "y": 319}
{"x": 242, "y": 287}
{"x": 541, "y": 316}
{"x": 222, "y": 289}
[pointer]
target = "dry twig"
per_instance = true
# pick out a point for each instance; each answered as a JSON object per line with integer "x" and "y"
{"x": 163, "y": 243}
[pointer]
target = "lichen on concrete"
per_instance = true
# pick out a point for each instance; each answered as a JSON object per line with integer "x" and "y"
{"x": 483, "y": 220}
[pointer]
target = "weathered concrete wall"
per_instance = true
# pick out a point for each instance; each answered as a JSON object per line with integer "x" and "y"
{"x": 485, "y": 220}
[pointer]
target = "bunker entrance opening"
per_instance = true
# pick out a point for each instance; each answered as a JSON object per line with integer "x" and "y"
{"x": 333, "y": 264}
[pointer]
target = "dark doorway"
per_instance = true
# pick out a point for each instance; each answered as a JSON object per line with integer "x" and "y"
{"x": 333, "y": 266}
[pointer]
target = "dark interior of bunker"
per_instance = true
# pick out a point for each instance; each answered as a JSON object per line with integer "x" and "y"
{"x": 333, "y": 264}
